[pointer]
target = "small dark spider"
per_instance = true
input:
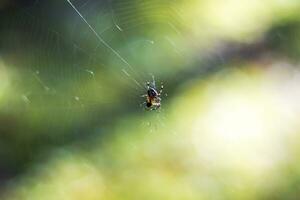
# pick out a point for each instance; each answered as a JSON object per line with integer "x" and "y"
{"x": 153, "y": 99}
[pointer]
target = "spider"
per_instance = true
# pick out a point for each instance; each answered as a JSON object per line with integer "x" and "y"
{"x": 153, "y": 99}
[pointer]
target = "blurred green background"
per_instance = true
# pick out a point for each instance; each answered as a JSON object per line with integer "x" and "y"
{"x": 72, "y": 122}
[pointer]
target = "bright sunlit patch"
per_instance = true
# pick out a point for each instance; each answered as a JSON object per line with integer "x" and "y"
{"x": 242, "y": 126}
{"x": 238, "y": 19}
{"x": 235, "y": 19}
{"x": 236, "y": 118}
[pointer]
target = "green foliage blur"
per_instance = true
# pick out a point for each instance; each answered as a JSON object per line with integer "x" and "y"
{"x": 73, "y": 123}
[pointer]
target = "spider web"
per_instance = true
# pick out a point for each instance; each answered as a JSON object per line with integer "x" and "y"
{"x": 80, "y": 62}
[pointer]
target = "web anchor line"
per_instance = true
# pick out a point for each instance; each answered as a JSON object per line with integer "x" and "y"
{"x": 103, "y": 42}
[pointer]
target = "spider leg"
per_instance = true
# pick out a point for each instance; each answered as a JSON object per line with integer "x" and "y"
{"x": 153, "y": 80}
{"x": 148, "y": 84}
{"x": 161, "y": 88}
{"x": 142, "y": 104}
